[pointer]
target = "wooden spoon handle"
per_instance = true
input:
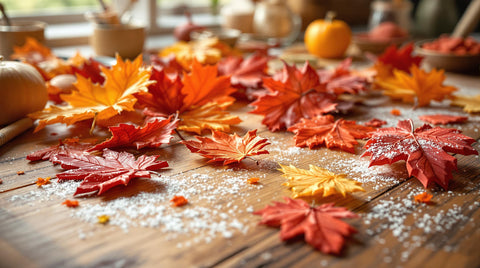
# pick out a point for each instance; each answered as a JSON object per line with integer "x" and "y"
{"x": 11, "y": 131}
{"x": 468, "y": 21}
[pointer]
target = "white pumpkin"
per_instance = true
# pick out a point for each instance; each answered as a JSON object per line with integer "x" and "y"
{"x": 22, "y": 91}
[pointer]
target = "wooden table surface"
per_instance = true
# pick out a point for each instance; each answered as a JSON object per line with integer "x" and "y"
{"x": 217, "y": 227}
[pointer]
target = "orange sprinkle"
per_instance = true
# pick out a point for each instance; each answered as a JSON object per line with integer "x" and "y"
{"x": 70, "y": 203}
{"x": 42, "y": 181}
{"x": 1, "y": 181}
{"x": 20, "y": 172}
{"x": 423, "y": 198}
{"x": 179, "y": 201}
{"x": 396, "y": 112}
{"x": 253, "y": 180}
{"x": 103, "y": 219}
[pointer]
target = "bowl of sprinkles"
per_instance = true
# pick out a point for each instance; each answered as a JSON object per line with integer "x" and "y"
{"x": 453, "y": 54}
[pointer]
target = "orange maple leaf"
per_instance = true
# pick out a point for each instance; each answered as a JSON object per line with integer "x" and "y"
{"x": 32, "y": 52}
{"x": 209, "y": 116}
{"x": 100, "y": 102}
{"x": 420, "y": 88}
{"x": 200, "y": 99}
{"x": 203, "y": 85}
{"x": 325, "y": 130}
{"x": 228, "y": 148}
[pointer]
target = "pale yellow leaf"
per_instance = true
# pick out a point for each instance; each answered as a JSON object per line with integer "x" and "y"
{"x": 318, "y": 182}
{"x": 470, "y": 104}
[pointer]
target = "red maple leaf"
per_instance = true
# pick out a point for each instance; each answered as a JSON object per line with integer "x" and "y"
{"x": 169, "y": 64}
{"x": 321, "y": 226}
{"x": 443, "y": 119}
{"x": 91, "y": 69}
{"x": 424, "y": 150}
{"x": 153, "y": 134}
{"x": 228, "y": 148}
{"x": 245, "y": 73}
{"x": 333, "y": 134}
{"x": 165, "y": 97}
{"x": 341, "y": 80}
{"x": 50, "y": 153}
{"x": 102, "y": 173}
{"x": 399, "y": 58}
{"x": 294, "y": 94}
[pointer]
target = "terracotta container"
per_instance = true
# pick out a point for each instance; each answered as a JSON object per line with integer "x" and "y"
{"x": 126, "y": 40}
{"x": 17, "y": 33}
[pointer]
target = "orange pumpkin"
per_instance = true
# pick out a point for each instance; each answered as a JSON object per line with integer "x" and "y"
{"x": 22, "y": 91}
{"x": 328, "y": 38}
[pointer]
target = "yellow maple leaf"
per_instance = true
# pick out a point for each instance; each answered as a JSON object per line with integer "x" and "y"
{"x": 420, "y": 88}
{"x": 206, "y": 51}
{"x": 209, "y": 116}
{"x": 318, "y": 181}
{"x": 470, "y": 104}
{"x": 100, "y": 101}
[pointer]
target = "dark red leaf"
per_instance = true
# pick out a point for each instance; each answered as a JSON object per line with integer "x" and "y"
{"x": 153, "y": 134}
{"x": 424, "y": 149}
{"x": 321, "y": 226}
{"x": 102, "y": 173}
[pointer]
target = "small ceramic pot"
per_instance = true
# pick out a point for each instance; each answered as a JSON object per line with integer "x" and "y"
{"x": 17, "y": 33}
{"x": 126, "y": 40}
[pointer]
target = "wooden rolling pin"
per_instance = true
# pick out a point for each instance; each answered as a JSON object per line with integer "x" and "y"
{"x": 469, "y": 20}
{"x": 11, "y": 131}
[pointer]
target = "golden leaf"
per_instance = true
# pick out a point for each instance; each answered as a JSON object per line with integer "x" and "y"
{"x": 94, "y": 100}
{"x": 421, "y": 87}
{"x": 470, "y": 104}
{"x": 209, "y": 116}
{"x": 206, "y": 51}
{"x": 318, "y": 181}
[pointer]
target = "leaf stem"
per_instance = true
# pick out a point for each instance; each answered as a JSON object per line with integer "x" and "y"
{"x": 93, "y": 124}
{"x": 179, "y": 135}
{"x": 253, "y": 159}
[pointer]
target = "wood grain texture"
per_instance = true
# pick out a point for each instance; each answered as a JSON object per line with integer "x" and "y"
{"x": 37, "y": 231}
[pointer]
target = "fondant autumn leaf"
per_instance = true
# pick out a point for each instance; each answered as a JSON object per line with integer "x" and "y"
{"x": 318, "y": 182}
{"x": 294, "y": 94}
{"x": 342, "y": 80}
{"x": 396, "y": 59}
{"x": 203, "y": 85}
{"x": 208, "y": 116}
{"x": 228, "y": 148}
{"x": 424, "y": 149}
{"x": 245, "y": 73}
{"x": 200, "y": 99}
{"x": 419, "y": 88}
{"x": 99, "y": 174}
{"x": 324, "y": 130}
{"x": 63, "y": 147}
{"x": 99, "y": 101}
{"x": 320, "y": 226}
{"x": 470, "y": 104}
{"x": 442, "y": 119}
{"x": 153, "y": 134}
{"x": 206, "y": 51}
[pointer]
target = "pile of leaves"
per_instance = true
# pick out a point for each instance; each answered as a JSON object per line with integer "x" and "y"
{"x": 189, "y": 88}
